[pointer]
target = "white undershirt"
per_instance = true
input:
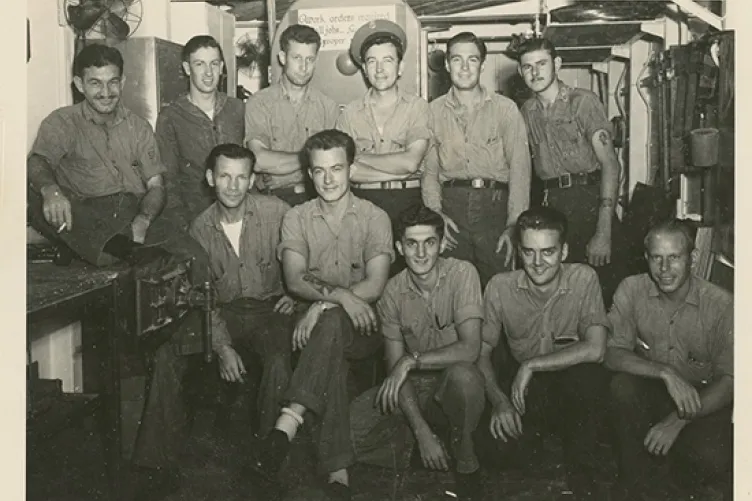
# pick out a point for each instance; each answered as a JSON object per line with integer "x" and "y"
{"x": 233, "y": 230}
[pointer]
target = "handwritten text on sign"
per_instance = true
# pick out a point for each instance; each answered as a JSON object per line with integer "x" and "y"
{"x": 337, "y": 26}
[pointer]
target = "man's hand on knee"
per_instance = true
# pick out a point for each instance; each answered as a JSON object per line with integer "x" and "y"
{"x": 506, "y": 422}
{"x": 231, "y": 366}
{"x": 432, "y": 451}
{"x": 685, "y": 396}
{"x": 305, "y": 325}
{"x": 57, "y": 209}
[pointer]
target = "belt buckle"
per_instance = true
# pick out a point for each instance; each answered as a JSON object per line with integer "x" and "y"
{"x": 477, "y": 183}
{"x": 567, "y": 183}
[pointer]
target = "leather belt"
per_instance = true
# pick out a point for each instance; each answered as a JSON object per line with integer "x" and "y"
{"x": 476, "y": 183}
{"x": 389, "y": 185}
{"x": 297, "y": 189}
{"x": 568, "y": 180}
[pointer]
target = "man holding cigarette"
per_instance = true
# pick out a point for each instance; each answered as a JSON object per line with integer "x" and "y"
{"x": 95, "y": 175}
{"x": 673, "y": 349}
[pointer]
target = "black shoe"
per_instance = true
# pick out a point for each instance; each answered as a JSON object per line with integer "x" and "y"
{"x": 469, "y": 486}
{"x": 270, "y": 454}
{"x": 337, "y": 491}
{"x": 154, "y": 484}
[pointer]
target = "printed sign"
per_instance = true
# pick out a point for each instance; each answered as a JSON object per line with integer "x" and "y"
{"x": 337, "y": 26}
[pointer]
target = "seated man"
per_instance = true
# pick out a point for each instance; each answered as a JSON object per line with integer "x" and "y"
{"x": 553, "y": 317}
{"x": 336, "y": 250}
{"x": 95, "y": 178}
{"x": 673, "y": 350}
{"x": 240, "y": 232}
{"x": 95, "y": 173}
{"x": 431, "y": 315}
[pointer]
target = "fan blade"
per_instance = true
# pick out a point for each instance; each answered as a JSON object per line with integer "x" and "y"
{"x": 117, "y": 27}
{"x": 82, "y": 17}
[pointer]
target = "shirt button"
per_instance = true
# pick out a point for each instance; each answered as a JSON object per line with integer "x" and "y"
{"x": 336, "y": 263}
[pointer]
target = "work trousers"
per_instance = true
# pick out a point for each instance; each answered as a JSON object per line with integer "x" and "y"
{"x": 702, "y": 452}
{"x": 481, "y": 216}
{"x": 581, "y": 205}
{"x": 258, "y": 333}
{"x": 393, "y": 202}
{"x": 450, "y": 400}
{"x": 96, "y": 220}
{"x": 319, "y": 383}
{"x": 564, "y": 403}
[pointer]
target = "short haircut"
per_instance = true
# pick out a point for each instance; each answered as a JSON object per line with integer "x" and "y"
{"x": 675, "y": 226}
{"x": 97, "y": 55}
{"x": 534, "y": 44}
{"x": 418, "y": 215}
{"x": 467, "y": 37}
{"x": 329, "y": 139}
{"x": 299, "y": 33}
{"x": 541, "y": 218}
{"x": 229, "y": 150}
{"x": 380, "y": 39}
{"x": 200, "y": 42}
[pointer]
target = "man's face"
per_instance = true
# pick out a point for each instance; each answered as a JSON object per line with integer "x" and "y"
{"x": 669, "y": 262}
{"x": 542, "y": 254}
{"x": 421, "y": 247}
{"x": 204, "y": 69}
{"x": 299, "y": 62}
{"x": 539, "y": 69}
{"x": 330, "y": 173}
{"x": 464, "y": 65}
{"x": 101, "y": 87}
{"x": 382, "y": 67}
{"x": 231, "y": 180}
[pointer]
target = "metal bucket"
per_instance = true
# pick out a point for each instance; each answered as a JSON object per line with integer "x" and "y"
{"x": 704, "y": 146}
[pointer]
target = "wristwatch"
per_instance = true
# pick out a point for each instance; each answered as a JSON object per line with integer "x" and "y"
{"x": 416, "y": 357}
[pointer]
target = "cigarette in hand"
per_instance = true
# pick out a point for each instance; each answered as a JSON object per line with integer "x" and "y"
{"x": 62, "y": 227}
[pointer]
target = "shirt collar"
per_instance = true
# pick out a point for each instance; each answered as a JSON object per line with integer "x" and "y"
{"x": 453, "y": 102}
{"x": 693, "y": 296}
{"x": 564, "y": 283}
{"x": 283, "y": 94}
{"x": 215, "y": 216}
{"x": 365, "y": 103}
{"x": 565, "y": 91}
{"x": 319, "y": 211}
{"x": 408, "y": 285}
{"x": 90, "y": 115}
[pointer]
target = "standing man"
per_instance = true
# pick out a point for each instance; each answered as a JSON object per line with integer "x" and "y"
{"x": 96, "y": 184}
{"x": 240, "y": 232}
{"x": 390, "y": 126}
{"x": 477, "y": 172}
{"x": 431, "y": 315}
{"x": 280, "y": 118}
{"x": 573, "y": 153}
{"x": 553, "y": 317}
{"x": 196, "y": 122}
{"x": 335, "y": 252}
{"x": 673, "y": 350}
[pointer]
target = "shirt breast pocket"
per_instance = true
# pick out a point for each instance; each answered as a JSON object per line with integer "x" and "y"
{"x": 364, "y": 145}
{"x": 565, "y": 131}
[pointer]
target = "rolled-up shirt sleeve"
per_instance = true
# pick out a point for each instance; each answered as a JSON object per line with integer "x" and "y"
{"x": 592, "y": 311}
{"x": 291, "y": 235}
{"x": 430, "y": 189}
{"x": 418, "y": 124}
{"x": 379, "y": 237}
{"x": 592, "y": 115}
{"x": 623, "y": 332}
{"x": 723, "y": 344}
{"x": 53, "y": 141}
{"x": 468, "y": 300}
{"x": 148, "y": 153}
{"x": 389, "y": 316}
{"x": 492, "y": 324}
{"x": 256, "y": 123}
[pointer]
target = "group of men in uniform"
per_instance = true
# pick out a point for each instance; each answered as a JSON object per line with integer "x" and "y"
{"x": 293, "y": 210}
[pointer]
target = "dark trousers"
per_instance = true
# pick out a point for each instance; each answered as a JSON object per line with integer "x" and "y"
{"x": 703, "y": 450}
{"x": 393, "y": 202}
{"x": 451, "y": 399}
{"x": 566, "y": 404}
{"x": 96, "y": 220}
{"x": 261, "y": 334}
{"x": 581, "y": 205}
{"x": 319, "y": 383}
{"x": 481, "y": 216}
